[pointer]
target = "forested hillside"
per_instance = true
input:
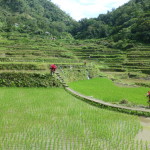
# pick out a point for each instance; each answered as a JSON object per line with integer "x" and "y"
{"x": 130, "y": 21}
{"x": 34, "y": 16}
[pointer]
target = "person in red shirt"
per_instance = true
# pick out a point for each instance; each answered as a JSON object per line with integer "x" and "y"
{"x": 148, "y": 95}
{"x": 53, "y": 68}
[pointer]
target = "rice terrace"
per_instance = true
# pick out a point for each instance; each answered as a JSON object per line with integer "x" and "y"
{"x": 97, "y": 96}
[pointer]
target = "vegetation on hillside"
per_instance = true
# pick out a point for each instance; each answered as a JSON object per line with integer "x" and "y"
{"x": 130, "y": 21}
{"x": 115, "y": 48}
{"x": 28, "y": 54}
{"x": 34, "y": 16}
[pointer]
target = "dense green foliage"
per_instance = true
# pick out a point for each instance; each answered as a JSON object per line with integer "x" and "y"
{"x": 130, "y": 21}
{"x": 19, "y": 67}
{"x": 38, "y": 118}
{"x": 106, "y": 90}
{"x": 75, "y": 73}
{"x": 14, "y": 79}
{"x": 34, "y": 16}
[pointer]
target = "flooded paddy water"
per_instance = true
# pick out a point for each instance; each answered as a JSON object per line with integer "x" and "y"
{"x": 144, "y": 134}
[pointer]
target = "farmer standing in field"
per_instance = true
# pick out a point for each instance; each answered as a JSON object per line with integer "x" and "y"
{"x": 53, "y": 68}
{"x": 148, "y": 95}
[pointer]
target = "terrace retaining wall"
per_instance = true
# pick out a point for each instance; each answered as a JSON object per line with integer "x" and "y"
{"x": 99, "y": 103}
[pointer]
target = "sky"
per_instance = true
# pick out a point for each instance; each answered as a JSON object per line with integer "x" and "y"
{"x": 79, "y": 9}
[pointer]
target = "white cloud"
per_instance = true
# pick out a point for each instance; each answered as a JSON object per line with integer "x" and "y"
{"x": 79, "y": 9}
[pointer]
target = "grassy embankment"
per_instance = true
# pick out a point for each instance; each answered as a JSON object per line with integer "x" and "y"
{"x": 39, "y": 118}
{"x": 105, "y": 89}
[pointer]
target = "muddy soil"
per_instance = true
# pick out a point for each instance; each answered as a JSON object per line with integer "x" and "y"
{"x": 144, "y": 135}
{"x": 125, "y": 85}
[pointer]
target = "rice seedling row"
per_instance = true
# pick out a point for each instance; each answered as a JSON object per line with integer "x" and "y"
{"x": 105, "y": 89}
{"x": 44, "y": 118}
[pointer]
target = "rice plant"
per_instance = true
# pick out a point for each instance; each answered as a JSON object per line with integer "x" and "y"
{"x": 105, "y": 89}
{"x": 51, "y": 119}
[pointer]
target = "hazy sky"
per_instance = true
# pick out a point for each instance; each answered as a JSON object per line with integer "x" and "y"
{"x": 79, "y": 9}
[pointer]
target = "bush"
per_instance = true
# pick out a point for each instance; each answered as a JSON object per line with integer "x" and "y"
{"x": 28, "y": 80}
{"x": 18, "y": 67}
{"x": 124, "y": 101}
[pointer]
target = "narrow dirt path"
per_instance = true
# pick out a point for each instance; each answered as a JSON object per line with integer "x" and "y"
{"x": 137, "y": 111}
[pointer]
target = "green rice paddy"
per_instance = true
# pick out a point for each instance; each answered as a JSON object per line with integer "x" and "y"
{"x": 105, "y": 89}
{"x": 52, "y": 119}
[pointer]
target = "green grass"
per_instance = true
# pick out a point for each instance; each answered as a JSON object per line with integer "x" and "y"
{"x": 105, "y": 89}
{"x": 44, "y": 118}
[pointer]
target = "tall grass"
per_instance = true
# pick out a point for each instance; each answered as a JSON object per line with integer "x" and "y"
{"x": 106, "y": 90}
{"x": 51, "y": 119}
